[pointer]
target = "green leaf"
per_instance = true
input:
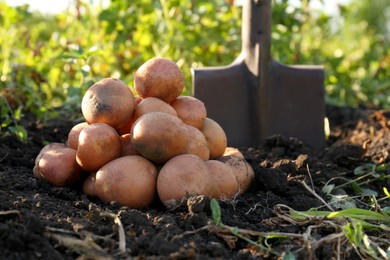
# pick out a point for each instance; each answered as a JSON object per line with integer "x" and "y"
{"x": 327, "y": 189}
{"x": 386, "y": 210}
{"x": 369, "y": 192}
{"x": 355, "y": 187}
{"x": 289, "y": 256}
{"x": 382, "y": 167}
{"x": 354, "y": 232}
{"x": 364, "y": 169}
{"x": 387, "y": 193}
{"x": 19, "y": 131}
{"x": 342, "y": 202}
{"x": 358, "y": 214}
{"x": 215, "y": 212}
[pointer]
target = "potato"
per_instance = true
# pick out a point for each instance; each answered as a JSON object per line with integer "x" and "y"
{"x": 36, "y": 172}
{"x": 160, "y": 78}
{"x": 159, "y": 136}
{"x": 152, "y": 104}
{"x": 89, "y": 185}
{"x": 108, "y": 101}
{"x": 241, "y": 169}
{"x": 59, "y": 167}
{"x": 181, "y": 177}
{"x": 127, "y": 147}
{"x": 51, "y": 146}
{"x": 98, "y": 144}
{"x": 129, "y": 181}
{"x": 190, "y": 110}
{"x": 215, "y": 136}
{"x": 126, "y": 128}
{"x": 225, "y": 184}
{"x": 197, "y": 143}
{"x": 73, "y": 135}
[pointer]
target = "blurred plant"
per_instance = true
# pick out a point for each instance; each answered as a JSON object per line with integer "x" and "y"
{"x": 352, "y": 192}
{"x": 354, "y": 47}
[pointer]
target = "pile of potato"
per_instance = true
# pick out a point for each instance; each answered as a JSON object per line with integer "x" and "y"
{"x": 131, "y": 149}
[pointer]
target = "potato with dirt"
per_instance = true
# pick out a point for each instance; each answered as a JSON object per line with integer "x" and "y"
{"x": 160, "y": 78}
{"x": 48, "y": 147}
{"x": 215, "y": 136}
{"x": 183, "y": 176}
{"x": 88, "y": 187}
{"x": 197, "y": 143}
{"x": 59, "y": 167}
{"x": 159, "y": 136}
{"x": 225, "y": 183}
{"x": 98, "y": 144}
{"x": 129, "y": 181}
{"x": 125, "y": 129}
{"x": 190, "y": 110}
{"x": 108, "y": 101}
{"x": 152, "y": 104}
{"x": 73, "y": 135}
{"x": 127, "y": 148}
{"x": 241, "y": 169}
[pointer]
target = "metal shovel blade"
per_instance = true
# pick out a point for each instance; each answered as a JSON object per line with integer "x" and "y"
{"x": 256, "y": 97}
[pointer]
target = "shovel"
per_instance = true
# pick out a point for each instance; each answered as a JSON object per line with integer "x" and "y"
{"x": 256, "y": 97}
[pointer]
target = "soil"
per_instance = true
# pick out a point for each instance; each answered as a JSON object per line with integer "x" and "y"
{"x": 39, "y": 221}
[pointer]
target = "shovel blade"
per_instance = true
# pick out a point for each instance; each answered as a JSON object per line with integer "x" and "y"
{"x": 225, "y": 92}
{"x": 296, "y": 104}
{"x": 292, "y": 104}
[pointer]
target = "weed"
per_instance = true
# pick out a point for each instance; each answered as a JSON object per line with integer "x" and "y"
{"x": 348, "y": 228}
{"x": 9, "y": 122}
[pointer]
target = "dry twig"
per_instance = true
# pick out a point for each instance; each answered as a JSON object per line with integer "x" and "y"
{"x": 317, "y": 196}
{"x": 121, "y": 231}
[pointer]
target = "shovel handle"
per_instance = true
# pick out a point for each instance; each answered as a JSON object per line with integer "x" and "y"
{"x": 256, "y": 33}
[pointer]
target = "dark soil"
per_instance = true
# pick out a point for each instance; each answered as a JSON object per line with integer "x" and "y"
{"x": 39, "y": 221}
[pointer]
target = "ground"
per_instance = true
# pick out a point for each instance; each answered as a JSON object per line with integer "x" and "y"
{"x": 39, "y": 221}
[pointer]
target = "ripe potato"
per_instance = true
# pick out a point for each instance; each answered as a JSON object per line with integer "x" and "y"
{"x": 126, "y": 128}
{"x": 159, "y": 136}
{"x": 183, "y": 176}
{"x": 129, "y": 181}
{"x": 197, "y": 143}
{"x": 51, "y": 146}
{"x": 225, "y": 184}
{"x": 108, "y": 101}
{"x": 48, "y": 147}
{"x": 59, "y": 167}
{"x": 127, "y": 147}
{"x": 241, "y": 169}
{"x": 152, "y": 104}
{"x": 190, "y": 110}
{"x": 73, "y": 136}
{"x": 215, "y": 136}
{"x": 160, "y": 78}
{"x": 98, "y": 144}
{"x": 89, "y": 185}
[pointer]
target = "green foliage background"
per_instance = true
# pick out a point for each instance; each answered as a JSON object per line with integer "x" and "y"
{"x": 48, "y": 61}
